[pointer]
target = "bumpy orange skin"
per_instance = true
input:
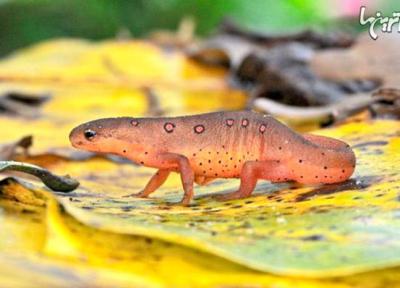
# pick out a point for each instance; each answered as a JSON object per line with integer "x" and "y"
{"x": 241, "y": 144}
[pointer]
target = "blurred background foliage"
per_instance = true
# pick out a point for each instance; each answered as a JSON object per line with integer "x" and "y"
{"x": 23, "y": 22}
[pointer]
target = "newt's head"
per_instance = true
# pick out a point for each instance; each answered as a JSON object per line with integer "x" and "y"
{"x": 104, "y": 135}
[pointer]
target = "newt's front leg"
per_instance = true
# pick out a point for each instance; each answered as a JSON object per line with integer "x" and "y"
{"x": 155, "y": 182}
{"x": 187, "y": 174}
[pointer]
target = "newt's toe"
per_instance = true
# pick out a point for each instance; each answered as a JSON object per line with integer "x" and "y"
{"x": 140, "y": 194}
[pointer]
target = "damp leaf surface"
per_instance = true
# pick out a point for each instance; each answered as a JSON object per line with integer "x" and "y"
{"x": 93, "y": 236}
{"x": 286, "y": 229}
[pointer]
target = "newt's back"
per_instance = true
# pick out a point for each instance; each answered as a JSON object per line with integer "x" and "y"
{"x": 216, "y": 144}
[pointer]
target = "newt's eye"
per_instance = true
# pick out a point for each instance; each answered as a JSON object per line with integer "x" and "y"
{"x": 89, "y": 134}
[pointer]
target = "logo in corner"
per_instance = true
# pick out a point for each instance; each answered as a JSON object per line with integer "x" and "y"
{"x": 385, "y": 23}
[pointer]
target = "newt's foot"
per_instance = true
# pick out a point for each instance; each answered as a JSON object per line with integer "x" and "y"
{"x": 228, "y": 196}
{"x": 140, "y": 194}
{"x": 183, "y": 202}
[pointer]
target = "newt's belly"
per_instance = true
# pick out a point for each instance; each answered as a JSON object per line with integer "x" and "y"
{"x": 219, "y": 165}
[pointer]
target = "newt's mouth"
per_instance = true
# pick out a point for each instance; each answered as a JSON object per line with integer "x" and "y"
{"x": 77, "y": 144}
{"x": 74, "y": 138}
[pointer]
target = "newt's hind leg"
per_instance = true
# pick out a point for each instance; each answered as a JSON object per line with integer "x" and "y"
{"x": 155, "y": 182}
{"x": 251, "y": 172}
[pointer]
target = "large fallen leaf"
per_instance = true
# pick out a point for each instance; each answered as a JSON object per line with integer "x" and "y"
{"x": 63, "y": 252}
{"x": 309, "y": 231}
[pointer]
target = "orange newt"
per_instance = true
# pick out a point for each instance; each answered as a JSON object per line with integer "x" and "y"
{"x": 242, "y": 144}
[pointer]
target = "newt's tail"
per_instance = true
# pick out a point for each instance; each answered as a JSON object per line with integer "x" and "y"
{"x": 326, "y": 160}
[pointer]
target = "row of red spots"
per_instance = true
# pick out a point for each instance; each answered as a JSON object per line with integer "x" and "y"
{"x": 198, "y": 129}
{"x": 169, "y": 128}
{"x": 245, "y": 122}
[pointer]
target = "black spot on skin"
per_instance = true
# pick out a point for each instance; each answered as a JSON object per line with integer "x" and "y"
{"x": 325, "y": 167}
{"x": 200, "y": 163}
{"x": 229, "y": 122}
{"x": 300, "y": 161}
{"x": 169, "y": 127}
{"x": 141, "y": 162}
{"x": 145, "y": 153}
{"x": 323, "y": 153}
{"x": 219, "y": 161}
{"x": 245, "y": 122}
{"x": 343, "y": 171}
{"x": 280, "y": 148}
{"x": 124, "y": 151}
{"x": 198, "y": 129}
{"x": 209, "y": 161}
